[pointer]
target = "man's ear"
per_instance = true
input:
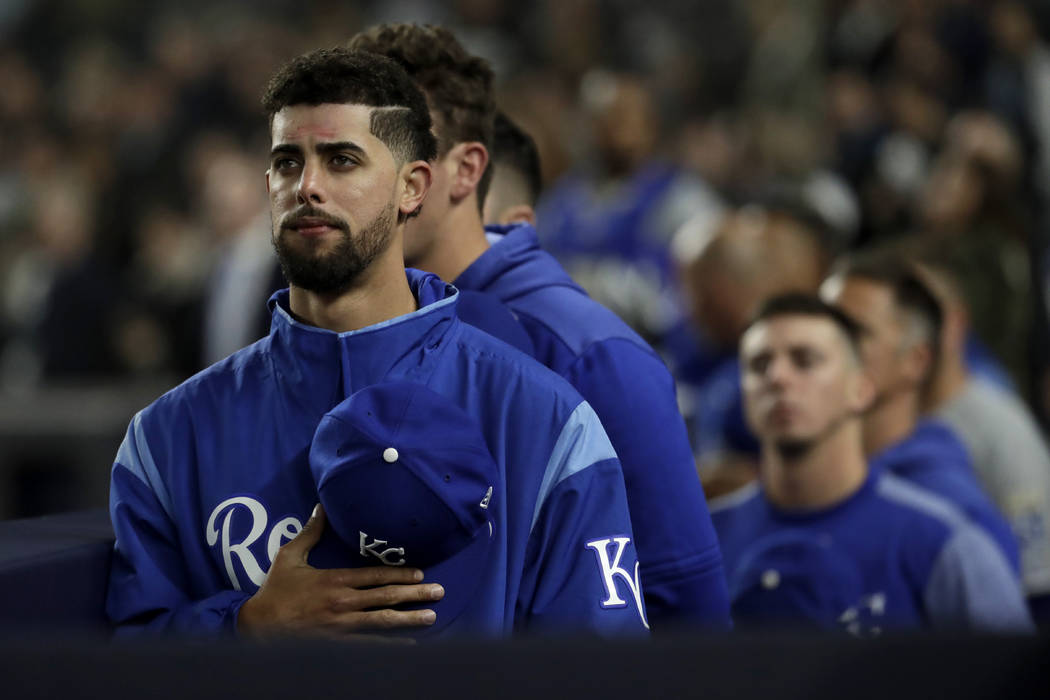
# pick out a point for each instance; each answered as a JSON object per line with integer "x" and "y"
{"x": 416, "y": 177}
{"x": 469, "y": 159}
{"x": 917, "y": 362}
{"x": 267, "y": 181}
{"x": 861, "y": 392}
{"x": 518, "y": 213}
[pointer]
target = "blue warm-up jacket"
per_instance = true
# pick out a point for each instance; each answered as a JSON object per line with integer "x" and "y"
{"x": 633, "y": 394}
{"x": 214, "y": 476}
{"x": 891, "y": 555}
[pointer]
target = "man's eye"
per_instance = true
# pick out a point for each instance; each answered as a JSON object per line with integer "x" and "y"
{"x": 283, "y": 164}
{"x": 805, "y": 359}
{"x": 758, "y": 365}
{"x": 341, "y": 161}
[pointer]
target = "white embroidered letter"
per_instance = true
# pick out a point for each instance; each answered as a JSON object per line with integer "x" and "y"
{"x": 247, "y": 559}
{"x": 610, "y": 572}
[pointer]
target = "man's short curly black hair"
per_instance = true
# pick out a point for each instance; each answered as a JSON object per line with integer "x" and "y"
{"x": 458, "y": 85}
{"x": 400, "y": 119}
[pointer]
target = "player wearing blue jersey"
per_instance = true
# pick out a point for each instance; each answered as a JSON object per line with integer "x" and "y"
{"x": 214, "y": 486}
{"x": 822, "y": 540}
{"x": 901, "y": 322}
{"x": 611, "y": 366}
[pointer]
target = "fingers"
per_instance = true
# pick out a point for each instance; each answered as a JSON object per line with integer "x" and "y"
{"x": 388, "y": 619}
{"x": 387, "y": 597}
{"x": 308, "y": 536}
{"x": 371, "y": 576}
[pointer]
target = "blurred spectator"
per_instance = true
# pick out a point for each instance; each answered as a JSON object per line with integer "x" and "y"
{"x": 970, "y": 208}
{"x": 59, "y": 299}
{"x": 900, "y": 323}
{"x": 611, "y": 223}
{"x": 1009, "y": 454}
{"x": 752, "y": 254}
{"x": 246, "y": 272}
{"x": 822, "y": 541}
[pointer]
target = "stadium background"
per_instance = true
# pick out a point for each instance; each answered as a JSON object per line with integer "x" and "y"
{"x": 135, "y": 150}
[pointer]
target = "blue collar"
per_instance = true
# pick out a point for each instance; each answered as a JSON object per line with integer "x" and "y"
{"x": 513, "y": 265}
{"x": 313, "y": 359}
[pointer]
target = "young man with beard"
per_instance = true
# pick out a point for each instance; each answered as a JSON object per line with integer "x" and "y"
{"x": 214, "y": 488}
{"x": 822, "y": 541}
{"x": 901, "y": 323}
{"x": 609, "y": 364}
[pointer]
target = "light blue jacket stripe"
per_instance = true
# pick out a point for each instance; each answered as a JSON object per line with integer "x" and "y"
{"x": 899, "y": 491}
{"x": 134, "y": 455}
{"x": 582, "y": 442}
{"x": 972, "y": 585}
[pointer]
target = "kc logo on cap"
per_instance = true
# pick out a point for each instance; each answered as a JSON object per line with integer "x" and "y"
{"x": 406, "y": 479}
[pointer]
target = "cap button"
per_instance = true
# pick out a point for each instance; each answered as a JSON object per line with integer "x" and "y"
{"x": 390, "y": 455}
{"x": 770, "y": 579}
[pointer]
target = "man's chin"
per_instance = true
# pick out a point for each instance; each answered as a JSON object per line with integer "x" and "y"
{"x": 792, "y": 447}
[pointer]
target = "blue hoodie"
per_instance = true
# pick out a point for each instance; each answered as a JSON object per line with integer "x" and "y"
{"x": 934, "y": 458}
{"x": 633, "y": 394}
{"x": 214, "y": 476}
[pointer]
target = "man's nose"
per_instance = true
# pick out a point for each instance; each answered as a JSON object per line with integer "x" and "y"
{"x": 778, "y": 371}
{"x": 310, "y": 186}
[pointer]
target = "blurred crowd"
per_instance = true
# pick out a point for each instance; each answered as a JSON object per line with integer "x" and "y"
{"x": 697, "y": 157}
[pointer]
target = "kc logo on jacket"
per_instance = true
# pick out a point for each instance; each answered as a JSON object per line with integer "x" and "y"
{"x": 613, "y": 574}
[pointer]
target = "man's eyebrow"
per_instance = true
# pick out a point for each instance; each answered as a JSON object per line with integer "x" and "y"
{"x": 322, "y": 148}
{"x": 337, "y": 146}
{"x": 286, "y": 148}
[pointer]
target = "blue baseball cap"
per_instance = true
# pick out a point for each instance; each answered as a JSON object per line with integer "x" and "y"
{"x": 406, "y": 479}
{"x": 796, "y": 578}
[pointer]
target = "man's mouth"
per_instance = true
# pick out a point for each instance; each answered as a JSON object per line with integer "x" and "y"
{"x": 311, "y": 227}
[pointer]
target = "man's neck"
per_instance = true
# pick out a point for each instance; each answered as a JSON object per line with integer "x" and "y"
{"x": 459, "y": 242}
{"x": 829, "y": 472}
{"x": 891, "y": 420}
{"x": 381, "y": 293}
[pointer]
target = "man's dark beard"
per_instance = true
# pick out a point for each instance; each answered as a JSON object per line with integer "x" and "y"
{"x": 335, "y": 271}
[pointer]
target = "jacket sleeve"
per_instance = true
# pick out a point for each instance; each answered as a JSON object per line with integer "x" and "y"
{"x": 681, "y": 563}
{"x": 149, "y": 584}
{"x": 973, "y": 586}
{"x": 581, "y": 568}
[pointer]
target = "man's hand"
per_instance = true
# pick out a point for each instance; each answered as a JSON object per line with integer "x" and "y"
{"x": 297, "y": 599}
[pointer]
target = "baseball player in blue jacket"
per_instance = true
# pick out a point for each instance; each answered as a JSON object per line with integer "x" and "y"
{"x": 610, "y": 365}
{"x": 465, "y": 488}
{"x": 824, "y": 540}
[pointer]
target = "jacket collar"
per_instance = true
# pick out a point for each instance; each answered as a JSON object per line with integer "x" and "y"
{"x": 323, "y": 367}
{"x": 516, "y": 262}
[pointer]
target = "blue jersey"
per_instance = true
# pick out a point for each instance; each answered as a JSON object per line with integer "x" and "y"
{"x": 633, "y": 394}
{"x": 892, "y": 555}
{"x": 934, "y": 458}
{"x": 214, "y": 476}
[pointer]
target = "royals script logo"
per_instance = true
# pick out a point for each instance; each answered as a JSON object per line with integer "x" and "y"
{"x": 242, "y": 509}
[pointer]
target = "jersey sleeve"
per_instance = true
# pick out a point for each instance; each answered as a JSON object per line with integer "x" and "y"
{"x": 581, "y": 568}
{"x": 149, "y": 588}
{"x": 972, "y": 585}
{"x": 681, "y": 563}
